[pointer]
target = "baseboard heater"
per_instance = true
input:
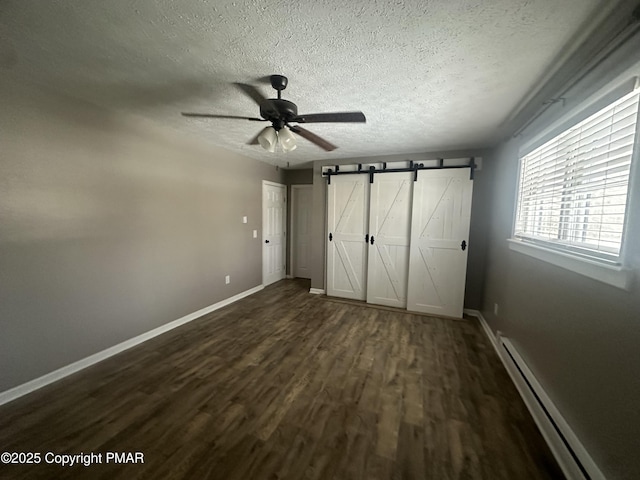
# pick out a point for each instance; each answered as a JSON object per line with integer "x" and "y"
{"x": 565, "y": 446}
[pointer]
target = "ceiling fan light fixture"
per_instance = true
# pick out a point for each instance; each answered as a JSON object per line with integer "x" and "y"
{"x": 287, "y": 140}
{"x": 268, "y": 139}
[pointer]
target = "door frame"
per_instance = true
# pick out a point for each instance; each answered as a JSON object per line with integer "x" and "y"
{"x": 284, "y": 224}
{"x": 292, "y": 222}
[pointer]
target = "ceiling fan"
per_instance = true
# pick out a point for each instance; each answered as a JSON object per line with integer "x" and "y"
{"x": 282, "y": 113}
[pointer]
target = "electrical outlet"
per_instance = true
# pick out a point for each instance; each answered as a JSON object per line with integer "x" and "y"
{"x": 495, "y": 309}
{"x": 255, "y": 234}
{"x": 227, "y": 279}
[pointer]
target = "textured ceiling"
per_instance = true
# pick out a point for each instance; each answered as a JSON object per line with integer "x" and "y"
{"x": 429, "y": 75}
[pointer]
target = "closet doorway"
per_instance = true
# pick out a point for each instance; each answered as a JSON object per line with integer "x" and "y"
{"x": 301, "y": 205}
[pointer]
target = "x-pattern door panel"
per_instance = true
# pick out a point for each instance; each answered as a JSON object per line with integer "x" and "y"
{"x": 389, "y": 229}
{"x": 438, "y": 258}
{"x": 348, "y": 202}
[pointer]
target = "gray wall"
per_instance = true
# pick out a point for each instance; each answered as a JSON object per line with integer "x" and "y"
{"x": 111, "y": 227}
{"x": 477, "y": 235}
{"x": 580, "y": 337}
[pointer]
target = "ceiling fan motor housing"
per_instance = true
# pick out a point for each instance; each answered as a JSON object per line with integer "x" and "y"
{"x": 278, "y": 111}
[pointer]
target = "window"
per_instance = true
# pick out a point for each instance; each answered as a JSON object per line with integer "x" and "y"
{"x": 572, "y": 195}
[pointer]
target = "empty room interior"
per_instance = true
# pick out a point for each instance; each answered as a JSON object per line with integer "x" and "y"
{"x": 320, "y": 239}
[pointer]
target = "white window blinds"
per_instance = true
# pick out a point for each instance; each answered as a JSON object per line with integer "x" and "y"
{"x": 573, "y": 189}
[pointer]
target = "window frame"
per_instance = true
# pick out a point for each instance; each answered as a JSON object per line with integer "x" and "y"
{"x": 601, "y": 267}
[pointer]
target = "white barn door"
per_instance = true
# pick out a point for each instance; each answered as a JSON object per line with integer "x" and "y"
{"x": 348, "y": 211}
{"x": 274, "y": 198}
{"x": 439, "y": 237}
{"x": 390, "y": 231}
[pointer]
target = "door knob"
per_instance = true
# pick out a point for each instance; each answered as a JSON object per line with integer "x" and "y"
{"x": 463, "y": 245}
{"x": 266, "y": 241}
{"x": 372, "y": 240}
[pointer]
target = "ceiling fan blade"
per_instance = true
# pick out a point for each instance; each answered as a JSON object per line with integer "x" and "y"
{"x": 335, "y": 117}
{"x": 252, "y": 92}
{"x": 313, "y": 138}
{"x": 211, "y": 115}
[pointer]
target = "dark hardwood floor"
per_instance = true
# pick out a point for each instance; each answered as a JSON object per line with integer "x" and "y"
{"x": 288, "y": 385}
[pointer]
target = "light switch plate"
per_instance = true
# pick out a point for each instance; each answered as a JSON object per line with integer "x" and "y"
{"x": 244, "y": 219}
{"x": 255, "y": 234}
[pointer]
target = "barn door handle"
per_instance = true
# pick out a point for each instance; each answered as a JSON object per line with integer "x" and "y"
{"x": 463, "y": 245}
{"x": 371, "y": 239}
{"x": 366, "y": 238}
{"x": 330, "y": 237}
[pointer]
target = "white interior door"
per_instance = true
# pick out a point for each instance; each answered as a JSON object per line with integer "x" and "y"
{"x": 390, "y": 232}
{"x": 440, "y": 225}
{"x": 301, "y": 230}
{"x": 273, "y": 232}
{"x": 348, "y": 215}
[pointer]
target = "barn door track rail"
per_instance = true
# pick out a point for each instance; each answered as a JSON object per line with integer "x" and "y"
{"x": 414, "y": 167}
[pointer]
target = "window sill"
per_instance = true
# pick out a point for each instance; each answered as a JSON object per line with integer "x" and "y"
{"x": 614, "y": 275}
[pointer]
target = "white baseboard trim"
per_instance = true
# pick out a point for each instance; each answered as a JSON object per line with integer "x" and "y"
{"x": 486, "y": 327}
{"x": 28, "y": 387}
{"x": 573, "y": 458}
{"x": 317, "y": 291}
